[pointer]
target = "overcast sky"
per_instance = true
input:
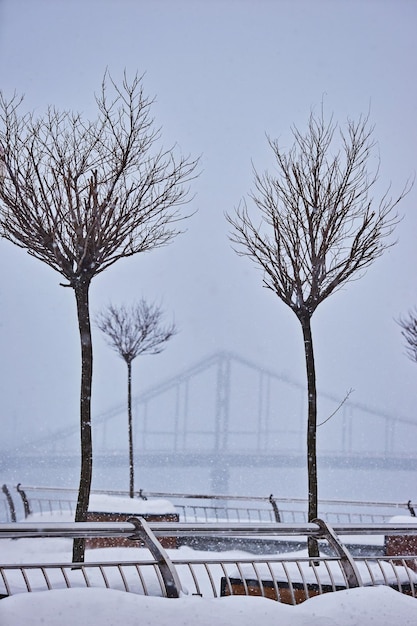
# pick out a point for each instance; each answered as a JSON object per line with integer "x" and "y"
{"x": 224, "y": 74}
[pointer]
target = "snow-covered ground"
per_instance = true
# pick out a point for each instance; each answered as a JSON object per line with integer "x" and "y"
{"x": 377, "y": 606}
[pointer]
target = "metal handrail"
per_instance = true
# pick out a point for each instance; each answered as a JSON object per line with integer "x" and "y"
{"x": 181, "y": 529}
{"x": 141, "y": 493}
{"x": 69, "y": 530}
{"x": 150, "y": 533}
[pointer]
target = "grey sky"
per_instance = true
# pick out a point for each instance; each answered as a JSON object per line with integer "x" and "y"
{"x": 223, "y": 74}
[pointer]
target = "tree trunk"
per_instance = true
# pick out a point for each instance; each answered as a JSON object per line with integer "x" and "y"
{"x": 83, "y": 312}
{"x": 311, "y": 428}
{"x": 130, "y": 430}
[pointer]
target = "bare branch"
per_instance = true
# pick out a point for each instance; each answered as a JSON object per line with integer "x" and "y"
{"x": 409, "y": 332}
{"x": 80, "y": 195}
{"x": 337, "y": 408}
{"x": 135, "y": 330}
{"x": 319, "y": 224}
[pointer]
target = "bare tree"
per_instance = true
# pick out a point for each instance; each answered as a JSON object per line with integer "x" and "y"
{"x": 409, "y": 332}
{"x": 317, "y": 229}
{"x": 131, "y": 332}
{"x": 80, "y": 195}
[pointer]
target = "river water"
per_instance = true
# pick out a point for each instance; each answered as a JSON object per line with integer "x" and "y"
{"x": 348, "y": 483}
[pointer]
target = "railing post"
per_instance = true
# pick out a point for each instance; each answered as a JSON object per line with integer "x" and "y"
{"x": 25, "y": 501}
{"x": 275, "y": 508}
{"x": 10, "y": 502}
{"x": 350, "y": 570}
{"x": 411, "y": 509}
{"x": 166, "y": 567}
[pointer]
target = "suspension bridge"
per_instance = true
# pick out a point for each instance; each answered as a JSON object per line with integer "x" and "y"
{"x": 226, "y": 411}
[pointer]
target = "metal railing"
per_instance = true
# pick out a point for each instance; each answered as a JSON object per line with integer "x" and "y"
{"x": 156, "y": 571}
{"x": 194, "y": 508}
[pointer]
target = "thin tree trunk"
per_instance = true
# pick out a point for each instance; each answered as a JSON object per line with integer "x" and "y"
{"x": 311, "y": 429}
{"x": 83, "y": 312}
{"x": 130, "y": 430}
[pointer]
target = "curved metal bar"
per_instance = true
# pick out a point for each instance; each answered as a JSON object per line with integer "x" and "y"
{"x": 275, "y": 508}
{"x": 10, "y": 502}
{"x": 350, "y": 570}
{"x": 25, "y": 501}
{"x": 169, "y": 573}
